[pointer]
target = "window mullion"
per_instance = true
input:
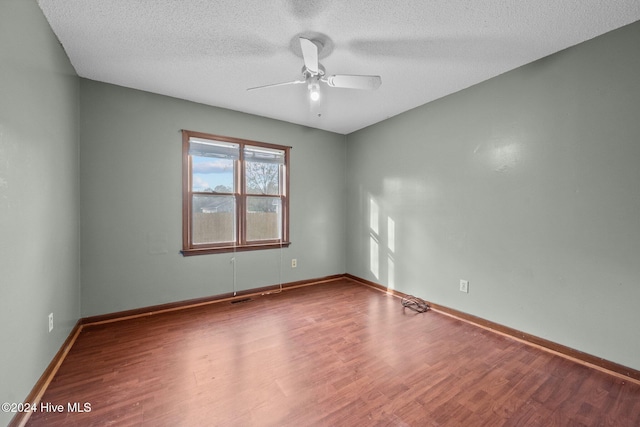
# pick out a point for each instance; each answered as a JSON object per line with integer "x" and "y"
{"x": 241, "y": 203}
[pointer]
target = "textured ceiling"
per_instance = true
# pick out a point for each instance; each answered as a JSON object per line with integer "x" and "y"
{"x": 211, "y": 51}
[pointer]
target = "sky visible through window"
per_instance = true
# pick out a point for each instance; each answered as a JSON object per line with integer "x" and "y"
{"x": 211, "y": 174}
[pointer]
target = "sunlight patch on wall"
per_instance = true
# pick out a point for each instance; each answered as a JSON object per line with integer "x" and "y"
{"x": 391, "y": 245}
{"x": 374, "y": 215}
{"x": 391, "y": 234}
{"x": 374, "y": 247}
{"x": 374, "y": 253}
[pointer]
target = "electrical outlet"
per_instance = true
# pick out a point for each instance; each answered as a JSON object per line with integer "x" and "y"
{"x": 50, "y": 322}
{"x": 464, "y": 286}
{"x": 294, "y": 263}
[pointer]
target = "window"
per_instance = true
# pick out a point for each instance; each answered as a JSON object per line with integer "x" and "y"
{"x": 234, "y": 194}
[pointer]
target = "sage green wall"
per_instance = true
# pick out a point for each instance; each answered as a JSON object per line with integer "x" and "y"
{"x": 131, "y": 205}
{"x": 39, "y": 198}
{"x": 528, "y": 186}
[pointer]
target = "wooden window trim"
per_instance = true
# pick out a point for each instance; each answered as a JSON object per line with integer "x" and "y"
{"x": 241, "y": 244}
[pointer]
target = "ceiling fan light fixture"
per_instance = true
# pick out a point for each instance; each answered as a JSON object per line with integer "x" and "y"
{"x": 314, "y": 92}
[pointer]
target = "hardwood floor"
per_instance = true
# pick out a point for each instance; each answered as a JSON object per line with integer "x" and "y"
{"x": 334, "y": 354}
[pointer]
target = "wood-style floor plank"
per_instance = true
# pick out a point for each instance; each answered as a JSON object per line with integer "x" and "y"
{"x": 334, "y": 354}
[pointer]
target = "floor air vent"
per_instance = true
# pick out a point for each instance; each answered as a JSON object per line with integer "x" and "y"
{"x": 238, "y": 301}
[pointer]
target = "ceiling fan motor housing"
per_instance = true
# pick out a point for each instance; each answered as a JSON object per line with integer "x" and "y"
{"x": 307, "y": 73}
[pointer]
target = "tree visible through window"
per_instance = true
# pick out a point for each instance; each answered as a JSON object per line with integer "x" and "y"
{"x": 235, "y": 194}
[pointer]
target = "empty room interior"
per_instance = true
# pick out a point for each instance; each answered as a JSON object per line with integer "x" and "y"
{"x": 482, "y": 157}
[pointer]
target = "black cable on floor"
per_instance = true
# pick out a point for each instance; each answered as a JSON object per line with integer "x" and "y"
{"x": 415, "y": 304}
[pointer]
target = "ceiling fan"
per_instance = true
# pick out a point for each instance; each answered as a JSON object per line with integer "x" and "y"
{"x": 313, "y": 73}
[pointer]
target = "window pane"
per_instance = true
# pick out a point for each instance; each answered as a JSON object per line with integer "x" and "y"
{"x": 213, "y": 165}
{"x": 262, "y": 178}
{"x": 213, "y": 219}
{"x": 212, "y": 175}
{"x": 264, "y": 216}
{"x": 262, "y": 170}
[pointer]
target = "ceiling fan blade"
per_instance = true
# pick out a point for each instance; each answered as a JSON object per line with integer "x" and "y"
{"x": 295, "y": 82}
{"x": 350, "y": 81}
{"x": 309, "y": 54}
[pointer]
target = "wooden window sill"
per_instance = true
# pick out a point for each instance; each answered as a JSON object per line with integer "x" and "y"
{"x": 226, "y": 249}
